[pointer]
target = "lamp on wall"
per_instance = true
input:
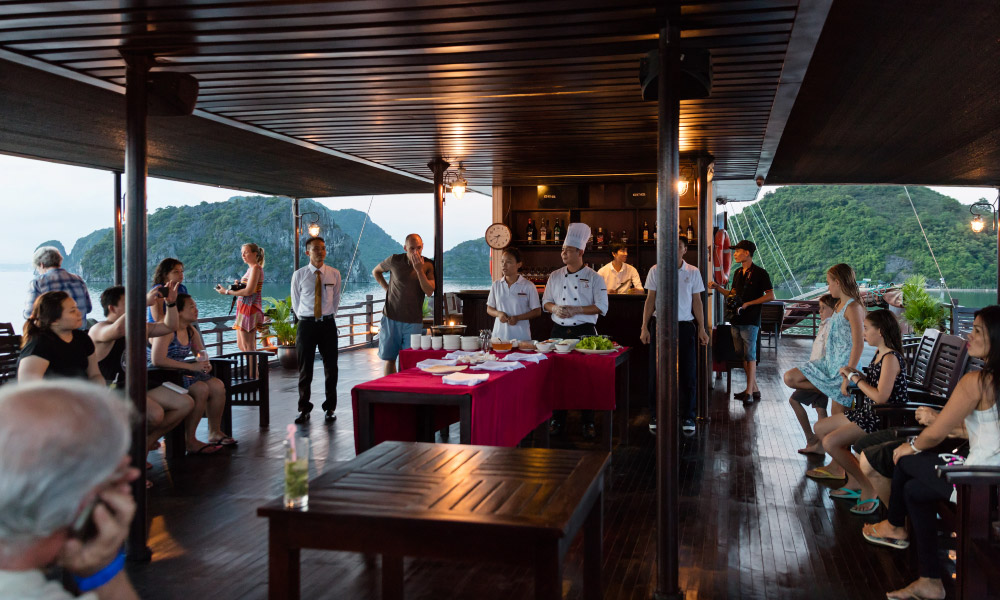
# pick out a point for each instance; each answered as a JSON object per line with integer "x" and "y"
{"x": 980, "y": 208}
{"x": 456, "y": 181}
{"x": 683, "y": 181}
{"x": 313, "y": 227}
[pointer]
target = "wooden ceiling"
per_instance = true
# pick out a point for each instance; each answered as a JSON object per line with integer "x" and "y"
{"x": 519, "y": 92}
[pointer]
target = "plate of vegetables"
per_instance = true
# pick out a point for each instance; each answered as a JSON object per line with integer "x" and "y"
{"x": 596, "y": 344}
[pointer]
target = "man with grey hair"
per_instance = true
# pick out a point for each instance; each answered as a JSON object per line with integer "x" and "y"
{"x": 47, "y": 261}
{"x": 65, "y": 498}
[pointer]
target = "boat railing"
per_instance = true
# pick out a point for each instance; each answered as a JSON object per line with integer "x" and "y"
{"x": 358, "y": 322}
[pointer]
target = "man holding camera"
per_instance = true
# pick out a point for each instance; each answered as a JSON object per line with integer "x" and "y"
{"x": 315, "y": 300}
{"x": 752, "y": 284}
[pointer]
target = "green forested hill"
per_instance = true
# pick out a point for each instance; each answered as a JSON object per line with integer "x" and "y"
{"x": 207, "y": 238}
{"x": 873, "y": 229}
{"x": 468, "y": 260}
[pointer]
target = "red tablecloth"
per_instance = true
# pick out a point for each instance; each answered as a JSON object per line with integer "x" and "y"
{"x": 504, "y": 409}
{"x": 574, "y": 381}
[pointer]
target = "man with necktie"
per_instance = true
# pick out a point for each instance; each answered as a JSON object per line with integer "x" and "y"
{"x": 315, "y": 299}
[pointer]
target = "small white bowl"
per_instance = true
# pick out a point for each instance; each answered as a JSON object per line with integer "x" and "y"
{"x": 543, "y": 347}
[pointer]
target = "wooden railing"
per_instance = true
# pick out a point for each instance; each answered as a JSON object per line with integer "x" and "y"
{"x": 361, "y": 321}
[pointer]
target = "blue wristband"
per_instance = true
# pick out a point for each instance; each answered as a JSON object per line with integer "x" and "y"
{"x": 86, "y": 584}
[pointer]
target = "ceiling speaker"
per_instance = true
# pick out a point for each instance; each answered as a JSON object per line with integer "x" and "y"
{"x": 696, "y": 74}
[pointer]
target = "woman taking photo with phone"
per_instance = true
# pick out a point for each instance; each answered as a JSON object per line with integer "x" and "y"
{"x": 249, "y": 309}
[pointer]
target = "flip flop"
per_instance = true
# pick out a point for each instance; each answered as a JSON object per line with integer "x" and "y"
{"x": 848, "y": 494}
{"x": 866, "y": 511}
{"x": 226, "y": 441}
{"x": 888, "y": 542}
{"x": 205, "y": 450}
{"x": 822, "y": 473}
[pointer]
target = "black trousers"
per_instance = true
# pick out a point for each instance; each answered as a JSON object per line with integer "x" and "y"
{"x": 687, "y": 368}
{"x": 569, "y": 332}
{"x": 312, "y": 334}
{"x": 916, "y": 490}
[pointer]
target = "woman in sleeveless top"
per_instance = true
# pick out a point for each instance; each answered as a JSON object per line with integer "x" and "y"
{"x": 208, "y": 392}
{"x": 249, "y": 309}
{"x": 916, "y": 488}
{"x": 885, "y": 383}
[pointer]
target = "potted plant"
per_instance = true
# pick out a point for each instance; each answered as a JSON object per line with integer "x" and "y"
{"x": 283, "y": 329}
{"x": 919, "y": 309}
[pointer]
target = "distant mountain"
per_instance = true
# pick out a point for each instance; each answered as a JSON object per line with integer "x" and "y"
{"x": 72, "y": 261}
{"x": 871, "y": 228}
{"x": 56, "y": 243}
{"x": 468, "y": 260}
{"x": 376, "y": 244}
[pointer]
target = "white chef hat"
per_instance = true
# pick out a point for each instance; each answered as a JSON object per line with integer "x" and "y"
{"x": 577, "y": 235}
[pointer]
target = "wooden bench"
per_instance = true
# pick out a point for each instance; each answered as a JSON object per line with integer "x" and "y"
{"x": 472, "y": 503}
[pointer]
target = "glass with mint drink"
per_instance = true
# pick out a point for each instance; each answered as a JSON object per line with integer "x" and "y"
{"x": 297, "y": 474}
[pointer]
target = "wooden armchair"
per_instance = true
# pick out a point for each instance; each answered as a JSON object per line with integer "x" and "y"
{"x": 974, "y": 519}
{"x": 772, "y": 316}
{"x": 245, "y": 375}
{"x": 10, "y": 351}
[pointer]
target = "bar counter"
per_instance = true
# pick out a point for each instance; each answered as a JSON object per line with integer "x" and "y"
{"x": 621, "y": 323}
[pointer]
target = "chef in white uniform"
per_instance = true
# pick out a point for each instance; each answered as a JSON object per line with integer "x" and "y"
{"x": 513, "y": 300}
{"x": 575, "y": 295}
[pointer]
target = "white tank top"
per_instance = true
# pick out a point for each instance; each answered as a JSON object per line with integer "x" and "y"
{"x": 984, "y": 437}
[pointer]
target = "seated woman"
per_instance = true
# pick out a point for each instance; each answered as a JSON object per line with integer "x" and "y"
{"x": 885, "y": 382}
{"x": 208, "y": 392}
{"x": 915, "y": 484}
{"x": 53, "y": 345}
{"x": 165, "y": 408}
{"x": 170, "y": 270}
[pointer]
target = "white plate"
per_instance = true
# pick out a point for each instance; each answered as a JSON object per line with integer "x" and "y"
{"x": 587, "y": 351}
{"x": 495, "y": 351}
{"x": 558, "y": 351}
{"x": 445, "y": 369}
{"x": 543, "y": 351}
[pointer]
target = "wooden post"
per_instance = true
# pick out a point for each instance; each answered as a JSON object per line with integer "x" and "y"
{"x": 704, "y": 242}
{"x": 136, "y": 158}
{"x": 667, "y": 439}
{"x": 438, "y": 166}
{"x": 118, "y": 228}
{"x": 297, "y": 233}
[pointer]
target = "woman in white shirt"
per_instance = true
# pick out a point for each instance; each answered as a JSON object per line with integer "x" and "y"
{"x": 513, "y": 300}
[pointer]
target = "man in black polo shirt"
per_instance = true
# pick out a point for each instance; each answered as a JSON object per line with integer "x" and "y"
{"x": 751, "y": 285}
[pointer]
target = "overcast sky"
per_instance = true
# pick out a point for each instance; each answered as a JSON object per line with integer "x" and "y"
{"x": 52, "y": 201}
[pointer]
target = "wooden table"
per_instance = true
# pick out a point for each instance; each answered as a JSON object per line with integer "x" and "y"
{"x": 511, "y": 505}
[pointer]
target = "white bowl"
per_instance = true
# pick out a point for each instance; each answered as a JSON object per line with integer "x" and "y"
{"x": 543, "y": 347}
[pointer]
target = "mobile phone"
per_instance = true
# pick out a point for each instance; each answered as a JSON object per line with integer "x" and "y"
{"x": 83, "y": 527}
{"x": 173, "y": 387}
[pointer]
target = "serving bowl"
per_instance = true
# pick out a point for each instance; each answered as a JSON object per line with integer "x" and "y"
{"x": 447, "y": 329}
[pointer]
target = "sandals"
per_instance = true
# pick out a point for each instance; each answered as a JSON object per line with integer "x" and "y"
{"x": 225, "y": 441}
{"x": 822, "y": 473}
{"x": 205, "y": 450}
{"x": 868, "y": 531}
{"x": 866, "y": 511}
{"x": 845, "y": 494}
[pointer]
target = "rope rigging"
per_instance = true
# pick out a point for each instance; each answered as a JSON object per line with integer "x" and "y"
{"x": 943, "y": 284}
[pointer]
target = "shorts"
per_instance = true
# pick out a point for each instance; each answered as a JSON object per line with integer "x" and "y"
{"x": 817, "y": 400}
{"x": 394, "y": 336}
{"x": 878, "y": 448}
{"x": 188, "y": 380}
{"x": 745, "y": 340}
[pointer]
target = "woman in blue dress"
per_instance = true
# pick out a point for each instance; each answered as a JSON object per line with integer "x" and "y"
{"x": 843, "y": 349}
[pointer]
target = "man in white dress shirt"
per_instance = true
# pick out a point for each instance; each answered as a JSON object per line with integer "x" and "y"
{"x": 619, "y": 276}
{"x": 690, "y": 315}
{"x": 315, "y": 300}
{"x": 575, "y": 295}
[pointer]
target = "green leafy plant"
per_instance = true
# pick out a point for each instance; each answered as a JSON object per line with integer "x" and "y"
{"x": 281, "y": 325}
{"x": 919, "y": 309}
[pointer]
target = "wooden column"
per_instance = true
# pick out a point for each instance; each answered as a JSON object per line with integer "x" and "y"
{"x": 704, "y": 243}
{"x": 296, "y": 227}
{"x": 438, "y": 166}
{"x": 136, "y": 74}
{"x": 118, "y": 228}
{"x": 667, "y": 208}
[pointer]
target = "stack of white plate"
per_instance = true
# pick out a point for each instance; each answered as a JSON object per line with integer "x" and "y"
{"x": 452, "y": 342}
{"x": 470, "y": 343}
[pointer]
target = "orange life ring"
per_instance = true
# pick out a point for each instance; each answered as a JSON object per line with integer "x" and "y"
{"x": 723, "y": 257}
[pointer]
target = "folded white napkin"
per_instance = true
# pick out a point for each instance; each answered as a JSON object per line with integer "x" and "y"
{"x": 459, "y": 353}
{"x": 495, "y": 365}
{"x": 535, "y": 358}
{"x": 436, "y": 362}
{"x": 465, "y": 378}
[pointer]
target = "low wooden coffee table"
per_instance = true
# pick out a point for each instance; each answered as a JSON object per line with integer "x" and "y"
{"x": 510, "y": 505}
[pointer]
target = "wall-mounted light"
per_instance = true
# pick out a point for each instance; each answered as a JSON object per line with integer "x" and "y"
{"x": 682, "y": 187}
{"x": 313, "y": 227}
{"x": 684, "y": 180}
{"x": 456, "y": 181}
{"x": 980, "y": 208}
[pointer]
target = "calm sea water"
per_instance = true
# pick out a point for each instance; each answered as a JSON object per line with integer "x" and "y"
{"x": 210, "y": 304}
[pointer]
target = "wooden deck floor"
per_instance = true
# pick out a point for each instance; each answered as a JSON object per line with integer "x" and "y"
{"x": 752, "y": 526}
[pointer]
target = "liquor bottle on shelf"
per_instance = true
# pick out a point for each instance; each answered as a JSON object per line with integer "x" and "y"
{"x": 530, "y": 233}
{"x": 557, "y": 231}
{"x": 611, "y": 236}
{"x": 624, "y": 238}
{"x": 600, "y": 237}
{"x": 654, "y": 232}
{"x": 590, "y": 240}
{"x": 543, "y": 233}
{"x": 690, "y": 231}
{"x": 645, "y": 232}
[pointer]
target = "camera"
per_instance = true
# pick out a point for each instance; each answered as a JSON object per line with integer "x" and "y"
{"x": 239, "y": 285}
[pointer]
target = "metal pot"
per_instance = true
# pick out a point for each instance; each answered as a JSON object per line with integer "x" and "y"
{"x": 447, "y": 329}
